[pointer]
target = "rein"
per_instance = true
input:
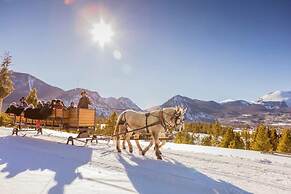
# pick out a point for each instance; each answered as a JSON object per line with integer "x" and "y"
{"x": 137, "y": 129}
{"x": 161, "y": 122}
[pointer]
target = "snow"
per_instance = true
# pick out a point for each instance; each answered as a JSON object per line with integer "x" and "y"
{"x": 226, "y": 101}
{"x": 44, "y": 164}
{"x": 278, "y": 96}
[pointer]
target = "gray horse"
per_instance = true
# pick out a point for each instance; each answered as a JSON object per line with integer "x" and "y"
{"x": 155, "y": 122}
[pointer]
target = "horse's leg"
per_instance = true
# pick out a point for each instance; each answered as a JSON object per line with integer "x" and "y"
{"x": 157, "y": 142}
{"x": 138, "y": 144}
{"x": 163, "y": 143}
{"x": 147, "y": 148}
{"x": 128, "y": 135}
{"x": 123, "y": 144}
{"x": 118, "y": 143}
{"x": 116, "y": 132}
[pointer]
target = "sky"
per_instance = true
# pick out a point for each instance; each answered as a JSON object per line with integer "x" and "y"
{"x": 202, "y": 49}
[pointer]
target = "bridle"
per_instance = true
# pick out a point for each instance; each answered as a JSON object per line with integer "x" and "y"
{"x": 167, "y": 125}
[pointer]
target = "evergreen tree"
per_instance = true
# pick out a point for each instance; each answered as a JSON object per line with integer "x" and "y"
{"x": 274, "y": 138}
{"x": 32, "y": 97}
{"x": 216, "y": 130}
{"x": 237, "y": 142}
{"x": 183, "y": 138}
{"x": 6, "y": 84}
{"x": 285, "y": 142}
{"x": 206, "y": 141}
{"x": 246, "y": 138}
{"x": 261, "y": 140}
{"x": 227, "y": 138}
{"x": 110, "y": 124}
{"x": 215, "y": 141}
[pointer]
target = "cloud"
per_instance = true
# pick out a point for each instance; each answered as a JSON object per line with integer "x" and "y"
{"x": 117, "y": 55}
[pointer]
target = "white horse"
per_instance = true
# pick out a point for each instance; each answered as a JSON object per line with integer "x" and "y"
{"x": 154, "y": 122}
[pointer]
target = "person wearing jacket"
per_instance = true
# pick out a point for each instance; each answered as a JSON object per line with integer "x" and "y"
{"x": 84, "y": 101}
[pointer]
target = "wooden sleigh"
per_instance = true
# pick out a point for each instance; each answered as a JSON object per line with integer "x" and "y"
{"x": 81, "y": 121}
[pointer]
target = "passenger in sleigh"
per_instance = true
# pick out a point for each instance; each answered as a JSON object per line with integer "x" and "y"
{"x": 84, "y": 101}
{"x": 72, "y": 106}
{"x": 23, "y": 103}
{"x": 59, "y": 104}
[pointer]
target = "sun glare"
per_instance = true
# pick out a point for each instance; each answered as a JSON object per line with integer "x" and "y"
{"x": 102, "y": 33}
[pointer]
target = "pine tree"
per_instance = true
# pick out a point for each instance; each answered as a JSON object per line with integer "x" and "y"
{"x": 183, "y": 138}
{"x": 274, "y": 139}
{"x": 215, "y": 141}
{"x": 206, "y": 141}
{"x": 110, "y": 124}
{"x": 261, "y": 140}
{"x": 285, "y": 142}
{"x": 237, "y": 142}
{"x": 246, "y": 138}
{"x": 32, "y": 97}
{"x": 6, "y": 84}
{"x": 227, "y": 138}
{"x": 216, "y": 129}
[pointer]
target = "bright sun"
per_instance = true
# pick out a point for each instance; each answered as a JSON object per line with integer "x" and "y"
{"x": 102, "y": 33}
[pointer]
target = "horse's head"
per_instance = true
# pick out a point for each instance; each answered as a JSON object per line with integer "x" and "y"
{"x": 175, "y": 117}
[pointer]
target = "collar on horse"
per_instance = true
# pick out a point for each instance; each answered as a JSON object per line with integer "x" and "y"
{"x": 161, "y": 121}
{"x": 166, "y": 125}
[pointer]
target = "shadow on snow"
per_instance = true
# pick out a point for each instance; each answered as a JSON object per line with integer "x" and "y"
{"x": 171, "y": 177}
{"x": 63, "y": 160}
{"x": 146, "y": 175}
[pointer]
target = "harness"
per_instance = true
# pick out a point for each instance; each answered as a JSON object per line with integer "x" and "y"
{"x": 161, "y": 122}
{"x": 147, "y": 116}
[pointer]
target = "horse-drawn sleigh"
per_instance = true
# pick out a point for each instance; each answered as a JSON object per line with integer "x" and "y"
{"x": 79, "y": 120}
{"x": 130, "y": 125}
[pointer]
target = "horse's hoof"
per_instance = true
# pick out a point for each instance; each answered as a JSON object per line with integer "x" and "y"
{"x": 118, "y": 150}
{"x": 159, "y": 158}
{"x": 143, "y": 153}
{"x": 130, "y": 151}
{"x": 124, "y": 148}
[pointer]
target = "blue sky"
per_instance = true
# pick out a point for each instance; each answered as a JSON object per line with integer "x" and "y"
{"x": 208, "y": 49}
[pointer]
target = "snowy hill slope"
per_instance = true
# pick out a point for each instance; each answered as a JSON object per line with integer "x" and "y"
{"x": 40, "y": 164}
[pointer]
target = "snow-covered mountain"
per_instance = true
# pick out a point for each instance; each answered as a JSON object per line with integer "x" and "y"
{"x": 277, "y": 96}
{"x": 270, "y": 106}
{"x": 103, "y": 106}
{"x": 23, "y": 83}
{"x": 197, "y": 110}
{"x": 228, "y": 111}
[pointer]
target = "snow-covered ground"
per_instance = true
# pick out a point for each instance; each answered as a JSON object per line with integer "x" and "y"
{"x": 44, "y": 164}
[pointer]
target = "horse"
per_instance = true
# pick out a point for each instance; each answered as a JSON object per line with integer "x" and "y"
{"x": 154, "y": 122}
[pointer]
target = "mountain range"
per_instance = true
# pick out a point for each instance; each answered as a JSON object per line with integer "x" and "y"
{"x": 270, "y": 108}
{"x": 23, "y": 83}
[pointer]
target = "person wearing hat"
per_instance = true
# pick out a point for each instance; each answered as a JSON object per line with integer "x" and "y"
{"x": 84, "y": 100}
{"x": 72, "y": 106}
{"x": 23, "y": 102}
